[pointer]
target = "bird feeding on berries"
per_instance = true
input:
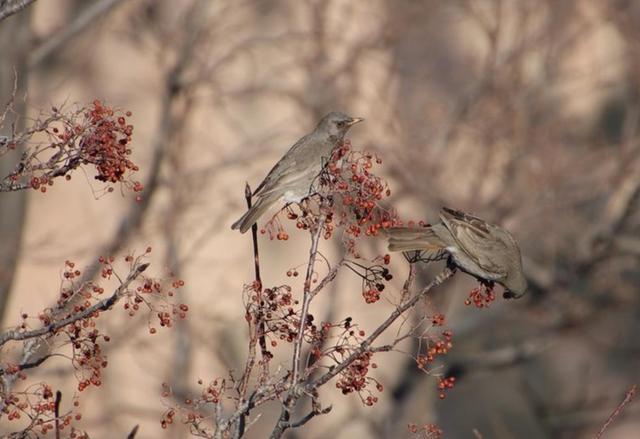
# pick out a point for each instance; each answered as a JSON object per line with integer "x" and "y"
{"x": 486, "y": 251}
{"x": 292, "y": 177}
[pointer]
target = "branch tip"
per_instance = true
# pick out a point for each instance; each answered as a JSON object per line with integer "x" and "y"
{"x": 133, "y": 432}
{"x": 142, "y": 267}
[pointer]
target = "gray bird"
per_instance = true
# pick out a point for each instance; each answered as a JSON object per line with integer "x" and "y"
{"x": 291, "y": 178}
{"x": 483, "y": 250}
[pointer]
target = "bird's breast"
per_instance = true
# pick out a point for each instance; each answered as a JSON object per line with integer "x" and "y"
{"x": 295, "y": 195}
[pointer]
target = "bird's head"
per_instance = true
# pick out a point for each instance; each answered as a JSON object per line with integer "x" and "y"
{"x": 515, "y": 284}
{"x": 336, "y": 124}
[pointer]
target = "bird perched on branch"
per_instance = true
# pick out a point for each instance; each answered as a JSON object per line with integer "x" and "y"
{"x": 290, "y": 180}
{"x": 483, "y": 250}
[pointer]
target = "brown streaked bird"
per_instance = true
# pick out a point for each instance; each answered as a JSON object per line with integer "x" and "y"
{"x": 483, "y": 250}
{"x": 290, "y": 180}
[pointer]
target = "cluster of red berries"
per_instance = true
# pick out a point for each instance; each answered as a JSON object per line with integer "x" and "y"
{"x": 88, "y": 359}
{"x": 347, "y": 336}
{"x": 373, "y": 278}
{"x": 275, "y": 230}
{"x": 445, "y": 384}
{"x": 39, "y": 406}
{"x": 318, "y": 337}
{"x": 194, "y": 410}
{"x": 427, "y": 431}
{"x": 355, "y": 378}
{"x": 276, "y": 307}
{"x": 165, "y": 310}
{"x": 213, "y": 392}
{"x": 436, "y": 347}
{"x": 438, "y": 319}
{"x": 154, "y": 294}
{"x": 41, "y": 183}
{"x": 96, "y": 135}
{"x": 481, "y": 296}
{"x": 371, "y": 295}
{"x": 167, "y": 418}
{"x": 85, "y": 340}
{"x": 356, "y": 193}
{"x": 105, "y": 142}
{"x": 107, "y": 268}
{"x": 305, "y": 220}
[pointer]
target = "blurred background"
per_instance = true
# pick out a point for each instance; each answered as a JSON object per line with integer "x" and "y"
{"x": 524, "y": 112}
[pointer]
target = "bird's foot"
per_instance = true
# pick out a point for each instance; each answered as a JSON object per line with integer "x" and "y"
{"x": 413, "y": 257}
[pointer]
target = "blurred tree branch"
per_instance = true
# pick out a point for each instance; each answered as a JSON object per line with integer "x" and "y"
{"x": 10, "y": 7}
{"x": 52, "y": 43}
{"x": 15, "y": 35}
{"x": 628, "y": 397}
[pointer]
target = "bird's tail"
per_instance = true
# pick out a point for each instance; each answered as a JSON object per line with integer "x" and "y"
{"x": 252, "y": 215}
{"x": 424, "y": 239}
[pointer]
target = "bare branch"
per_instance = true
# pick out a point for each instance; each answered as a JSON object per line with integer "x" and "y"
{"x": 10, "y": 7}
{"x": 52, "y": 43}
{"x": 97, "y": 307}
{"x": 628, "y": 397}
{"x": 307, "y": 296}
{"x": 309, "y": 416}
{"x": 133, "y": 432}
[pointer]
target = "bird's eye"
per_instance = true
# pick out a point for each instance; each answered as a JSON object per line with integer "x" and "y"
{"x": 340, "y": 123}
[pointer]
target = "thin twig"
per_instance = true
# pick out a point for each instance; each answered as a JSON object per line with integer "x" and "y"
{"x": 408, "y": 282}
{"x": 628, "y": 397}
{"x": 266, "y": 356}
{"x": 133, "y": 432}
{"x": 331, "y": 275}
{"x": 57, "y": 412}
{"x": 31, "y": 365}
{"x": 306, "y": 295}
{"x": 312, "y": 414}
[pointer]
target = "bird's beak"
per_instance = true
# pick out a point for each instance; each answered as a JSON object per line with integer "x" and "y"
{"x": 508, "y": 294}
{"x": 355, "y": 120}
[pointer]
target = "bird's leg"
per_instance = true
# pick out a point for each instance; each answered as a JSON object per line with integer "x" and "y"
{"x": 487, "y": 284}
{"x": 451, "y": 265}
{"x": 305, "y": 207}
{"x": 413, "y": 257}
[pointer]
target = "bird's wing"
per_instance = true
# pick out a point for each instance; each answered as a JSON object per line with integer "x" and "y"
{"x": 284, "y": 171}
{"x": 477, "y": 239}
